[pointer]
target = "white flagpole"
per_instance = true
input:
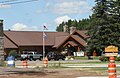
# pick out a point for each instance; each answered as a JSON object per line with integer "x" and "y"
{"x": 44, "y": 28}
{"x": 43, "y": 45}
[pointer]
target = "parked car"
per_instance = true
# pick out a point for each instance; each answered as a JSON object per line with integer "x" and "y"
{"x": 30, "y": 55}
{"x": 24, "y": 56}
{"x": 55, "y": 56}
{"x": 34, "y": 56}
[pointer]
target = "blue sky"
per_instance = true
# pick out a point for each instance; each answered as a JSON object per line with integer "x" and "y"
{"x": 33, "y": 15}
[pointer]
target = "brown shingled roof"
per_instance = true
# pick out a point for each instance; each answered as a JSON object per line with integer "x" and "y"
{"x": 8, "y": 43}
{"x": 60, "y": 40}
{"x": 81, "y": 41}
{"x": 32, "y": 38}
{"x": 81, "y": 32}
{"x": 35, "y": 38}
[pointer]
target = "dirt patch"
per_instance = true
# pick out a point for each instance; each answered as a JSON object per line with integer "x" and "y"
{"x": 53, "y": 72}
{"x": 49, "y": 73}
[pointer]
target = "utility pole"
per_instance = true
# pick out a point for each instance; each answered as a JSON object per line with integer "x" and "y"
{"x": 1, "y": 43}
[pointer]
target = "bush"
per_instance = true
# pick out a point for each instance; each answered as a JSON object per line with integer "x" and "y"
{"x": 13, "y": 53}
{"x": 117, "y": 58}
{"x": 103, "y": 58}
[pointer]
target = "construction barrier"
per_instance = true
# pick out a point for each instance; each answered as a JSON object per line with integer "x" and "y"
{"x": 112, "y": 68}
{"x": 25, "y": 64}
{"x": 45, "y": 62}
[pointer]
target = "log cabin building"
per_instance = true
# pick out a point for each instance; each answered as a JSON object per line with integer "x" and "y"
{"x": 65, "y": 42}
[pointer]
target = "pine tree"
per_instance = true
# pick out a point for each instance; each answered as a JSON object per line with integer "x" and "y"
{"x": 106, "y": 21}
{"x": 80, "y": 25}
{"x": 60, "y": 27}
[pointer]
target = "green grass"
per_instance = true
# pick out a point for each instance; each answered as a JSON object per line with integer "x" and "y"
{"x": 81, "y": 58}
{"x": 86, "y": 58}
{"x": 82, "y": 62}
{"x": 99, "y": 68}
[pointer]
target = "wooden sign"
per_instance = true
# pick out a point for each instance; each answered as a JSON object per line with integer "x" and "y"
{"x": 111, "y": 49}
{"x": 111, "y": 54}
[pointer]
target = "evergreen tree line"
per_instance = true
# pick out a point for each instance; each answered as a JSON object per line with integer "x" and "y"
{"x": 103, "y": 26}
{"x": 80, "y": 25}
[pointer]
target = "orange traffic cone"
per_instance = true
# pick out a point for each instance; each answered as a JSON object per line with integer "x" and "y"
{"x": 112, "y": 68}
{"x": 25, "y": 64}
{"x": 45, "y": 62}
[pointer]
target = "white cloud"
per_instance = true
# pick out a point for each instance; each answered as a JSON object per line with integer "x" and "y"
{"x": 59, "y": 20}
{"x": 69, "y": 7}
{"x": 22, "y": 27}
{"x": 5, "y": 6}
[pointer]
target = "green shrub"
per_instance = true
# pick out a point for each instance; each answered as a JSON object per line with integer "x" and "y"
{"x": 103, "y": 58}
{"x": 13, "y": 53}
{"x": 117, "y": 58}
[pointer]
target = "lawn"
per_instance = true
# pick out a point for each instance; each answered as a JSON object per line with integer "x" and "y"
{"x": 86, "y": 58}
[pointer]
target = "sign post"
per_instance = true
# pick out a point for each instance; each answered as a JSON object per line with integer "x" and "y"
{"x": 111, "y": 51}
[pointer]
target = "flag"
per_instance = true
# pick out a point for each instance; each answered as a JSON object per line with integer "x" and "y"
{"x": 45, "y": 28}
{"x": 44, "y": 35}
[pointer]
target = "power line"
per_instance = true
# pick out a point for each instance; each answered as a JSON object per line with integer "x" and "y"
{"x": 8, "y": 1}
{"x": 11, "y": 2}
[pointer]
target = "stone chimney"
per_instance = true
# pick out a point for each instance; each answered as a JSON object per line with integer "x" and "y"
{"x": 1, "y": 27}
{"x": 65, "y": 28}
{"x": 1, "y": 42}
{"x": 72, "y": 29}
